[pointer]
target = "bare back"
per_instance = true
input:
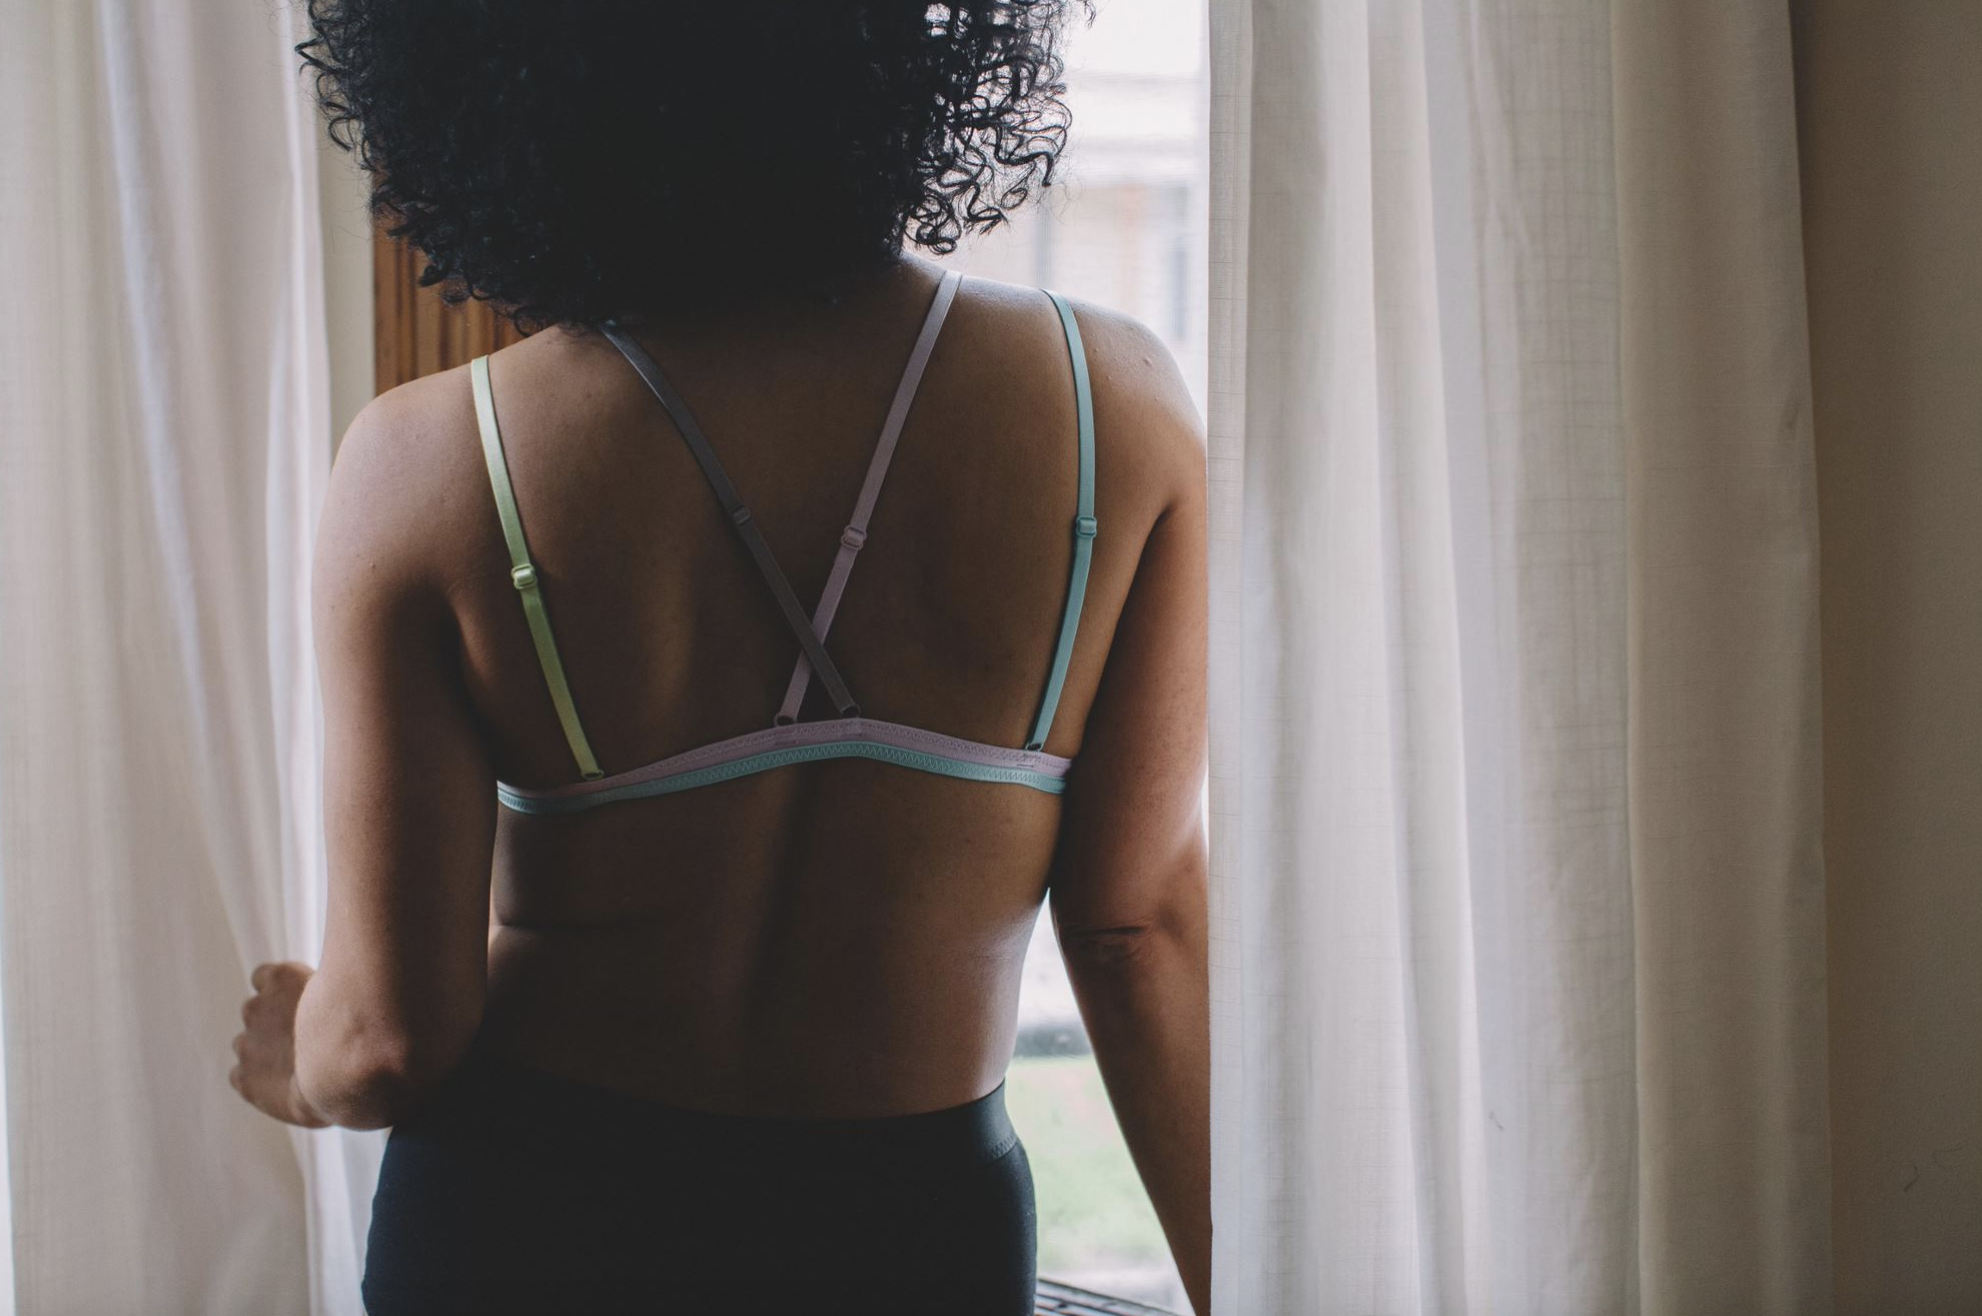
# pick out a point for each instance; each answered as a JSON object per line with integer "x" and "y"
{"x": 828, "y": 938}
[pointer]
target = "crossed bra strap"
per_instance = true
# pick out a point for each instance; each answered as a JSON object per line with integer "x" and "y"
{"x": 810, "y": 631}
{"x": 739, "y": 515}
{"x": 855, "y": 533}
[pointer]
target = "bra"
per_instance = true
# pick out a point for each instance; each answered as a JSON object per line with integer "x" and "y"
{"x": 788, "y": 740}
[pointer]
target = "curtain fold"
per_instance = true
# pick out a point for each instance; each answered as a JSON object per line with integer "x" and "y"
{"x": 163, "y": 448}
{"x": 1518, "y": 944}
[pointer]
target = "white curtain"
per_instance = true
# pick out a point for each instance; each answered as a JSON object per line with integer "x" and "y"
{"x": 163, "y": 447}
{"x": 1518, "y": 895}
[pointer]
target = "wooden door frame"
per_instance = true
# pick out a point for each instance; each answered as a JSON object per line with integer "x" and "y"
{"x": 414, "y": 332}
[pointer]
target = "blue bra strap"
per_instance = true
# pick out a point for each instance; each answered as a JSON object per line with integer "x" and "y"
{"x": 1084, "y": 525}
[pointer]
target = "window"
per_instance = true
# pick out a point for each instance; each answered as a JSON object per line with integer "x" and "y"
{"x": 1126, "y": 222}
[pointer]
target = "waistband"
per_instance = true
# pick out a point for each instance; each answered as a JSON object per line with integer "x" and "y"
{"x": 487, "y": 1087}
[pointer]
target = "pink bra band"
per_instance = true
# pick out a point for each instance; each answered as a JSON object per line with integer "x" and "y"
{"x": 837, "y": 737}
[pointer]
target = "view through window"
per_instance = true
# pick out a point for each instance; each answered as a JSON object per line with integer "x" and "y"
{"x": 1124, "y": 227}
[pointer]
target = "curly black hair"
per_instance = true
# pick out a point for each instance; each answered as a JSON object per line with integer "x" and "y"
{"x": 573, "y": 160}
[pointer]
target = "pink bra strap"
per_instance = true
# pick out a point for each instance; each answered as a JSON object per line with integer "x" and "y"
{"x": 855, "y": 533}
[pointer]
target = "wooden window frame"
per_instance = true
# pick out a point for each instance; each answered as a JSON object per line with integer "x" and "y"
{"x": 415, "y": 333}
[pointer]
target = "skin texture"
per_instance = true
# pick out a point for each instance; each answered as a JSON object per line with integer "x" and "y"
{"x": 830, "y": 939}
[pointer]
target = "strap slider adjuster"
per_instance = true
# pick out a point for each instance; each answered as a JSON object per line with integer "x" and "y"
{"x": 523, "y": 576}
{"x": 739, "y": 514}
{"x": 853, "y": 537}
{"x": 1085, "y": 526}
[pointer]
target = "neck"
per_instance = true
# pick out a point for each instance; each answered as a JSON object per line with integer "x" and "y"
{"x": 744, "y": 304}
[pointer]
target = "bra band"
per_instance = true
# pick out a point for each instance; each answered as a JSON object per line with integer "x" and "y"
{"x": 1084, "y": 526}
{"x": 855, "y": 533}
{"x": 801, "y": 742}
{"x": 523, "y": 574}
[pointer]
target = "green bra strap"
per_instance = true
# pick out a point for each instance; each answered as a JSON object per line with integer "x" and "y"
{"x": 523, "y": 575}
{"x": 1084, "y": 525}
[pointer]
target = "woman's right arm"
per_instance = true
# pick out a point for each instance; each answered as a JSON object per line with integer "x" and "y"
{"x": 1129, "y": 876}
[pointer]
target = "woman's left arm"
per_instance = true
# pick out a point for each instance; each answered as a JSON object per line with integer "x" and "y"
{"x": 409, "y": 813}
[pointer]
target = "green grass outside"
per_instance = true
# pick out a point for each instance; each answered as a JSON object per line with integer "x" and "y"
{"x": 1093, "y": 1213}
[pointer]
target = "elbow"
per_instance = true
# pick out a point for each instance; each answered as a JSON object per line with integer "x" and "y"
{"x": 1130, "y": 953}
{"x": 371, "y": 1077}
{"x": 1151, "y": 925}
{"x": 1110, "y": 950}
{"x": 1155, "y": 941}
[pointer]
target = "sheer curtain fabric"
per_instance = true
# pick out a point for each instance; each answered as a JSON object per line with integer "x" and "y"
{"x": 1518, "y": 944}
{"x": 164, "y": 440}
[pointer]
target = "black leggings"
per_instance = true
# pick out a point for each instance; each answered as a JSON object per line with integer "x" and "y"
{"x": 516, "y": 1191}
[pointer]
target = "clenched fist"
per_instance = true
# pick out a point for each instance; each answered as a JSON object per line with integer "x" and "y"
{"x": 265, "y": 1050}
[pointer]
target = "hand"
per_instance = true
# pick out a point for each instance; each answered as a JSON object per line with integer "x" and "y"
{"x": 265, "y": 1050}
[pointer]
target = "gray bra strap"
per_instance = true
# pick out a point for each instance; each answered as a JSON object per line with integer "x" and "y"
{"x": 739, "y": 516}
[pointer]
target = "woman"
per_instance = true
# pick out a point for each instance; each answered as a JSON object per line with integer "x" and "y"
{"x": 681, "y": 873}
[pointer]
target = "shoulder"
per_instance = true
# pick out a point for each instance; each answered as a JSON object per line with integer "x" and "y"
{"x": 403, "y": 492}
{"x": 1135, "y": 376}
{"x": 1144, "y": 416}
